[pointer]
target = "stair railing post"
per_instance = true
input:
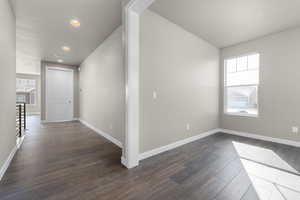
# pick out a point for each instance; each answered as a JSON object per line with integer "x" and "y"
{"x": 20, "y": 121}
{"x": 24, "y": 116}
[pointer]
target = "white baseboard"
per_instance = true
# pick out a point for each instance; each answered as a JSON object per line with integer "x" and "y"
{"x": 124, "y": 161}
{"x": 7, "y": 162}
{"x": 72, "y": 120}
{"x": 33, "y": 113}
{"x": 103, "y": 134}
{"x": 20, "y": 141}
{"x": 260, "y": 137}
{"x": 174, "y": 145}
{"x": 127, "y": 164}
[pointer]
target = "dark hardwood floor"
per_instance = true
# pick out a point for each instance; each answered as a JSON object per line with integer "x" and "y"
{"x": 70, "y": 161}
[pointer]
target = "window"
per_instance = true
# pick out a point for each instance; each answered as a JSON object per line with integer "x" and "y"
{"x": 241, "y": 85}
{"x": 26, "y": 91}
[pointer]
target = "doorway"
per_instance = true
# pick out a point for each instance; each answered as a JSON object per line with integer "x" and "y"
{"x": 59, "y": 94}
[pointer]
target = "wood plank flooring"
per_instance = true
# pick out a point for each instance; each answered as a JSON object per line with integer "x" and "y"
{"x": 70, "y": 161}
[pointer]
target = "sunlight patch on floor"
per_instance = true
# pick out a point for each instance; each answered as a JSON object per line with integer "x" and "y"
{"x": 262, "y": 155}
{"x": 272, "y": 177}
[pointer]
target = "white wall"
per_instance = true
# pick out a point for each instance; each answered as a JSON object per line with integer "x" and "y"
{"x": 28, "y": 65}
{"x": 7, "y": 81}
{"x": 184, "y": 71}
{"x": 102, "y": 85}
{"x": 279, "y": 91}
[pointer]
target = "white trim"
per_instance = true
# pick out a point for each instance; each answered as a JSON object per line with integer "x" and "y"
{"x": 242, "y": 55}
{"x": 33, "y": 113}
{"x": 131, "y": 53}
{"x": 20, "y": 141}
{"x": 174, "y": 145}
{"x": 7, "y": 162}
{"x": 103, "y": 134}
{"x": 140, "y": 6}
{"x": 46, "y": 121}
{"x": 124, "y": 161}
{"x": 241, "y": 114}
{"x": 260, "y": 137}
{"x": 59, "y": 68}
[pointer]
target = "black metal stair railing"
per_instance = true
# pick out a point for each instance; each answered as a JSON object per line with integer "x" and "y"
{"x": 20, "y": 119}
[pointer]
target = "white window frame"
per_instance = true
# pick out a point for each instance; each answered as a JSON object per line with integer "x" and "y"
{"x": 245, "y": 85}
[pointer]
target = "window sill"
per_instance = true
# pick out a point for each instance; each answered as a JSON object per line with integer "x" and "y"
{"x": 242, "y": 114}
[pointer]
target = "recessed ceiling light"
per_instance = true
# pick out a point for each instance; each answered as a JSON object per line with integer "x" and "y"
{"x": 60, "y": 60}
{"x": 66, "y": 48}
{"x": 75, "y": 23}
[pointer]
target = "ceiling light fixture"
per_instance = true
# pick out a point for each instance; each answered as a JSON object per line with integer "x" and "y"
{"x": 75, "y": 23}
{"x": 66, "y": 48}
{"x": 60, "y": 60}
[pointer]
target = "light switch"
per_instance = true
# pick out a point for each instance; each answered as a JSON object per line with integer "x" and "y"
{"x": 188, "y": 127}
{"x": 295, "y": 129}
{"x": 154, "y": 95}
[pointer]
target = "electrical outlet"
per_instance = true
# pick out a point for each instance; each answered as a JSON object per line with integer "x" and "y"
{"x": 295, "y": 129}
{"x": 188, "y": 127}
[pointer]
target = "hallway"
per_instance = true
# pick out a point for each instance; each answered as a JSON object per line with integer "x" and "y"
{"x": 55, "y": 159}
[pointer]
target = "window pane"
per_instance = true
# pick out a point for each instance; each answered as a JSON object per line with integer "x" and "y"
{"x": 26, "y": 90}
{"x": 20, "y": 98}
{"x": 243, "y": 78}
{"x": 231, "y": 65}
{"x": 242, "y": 100}
{"x": 242, "y": 63}
{"x": 253, "y": 62}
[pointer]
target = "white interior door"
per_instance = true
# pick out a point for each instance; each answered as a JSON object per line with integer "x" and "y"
{"x": 59, "y": 94}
